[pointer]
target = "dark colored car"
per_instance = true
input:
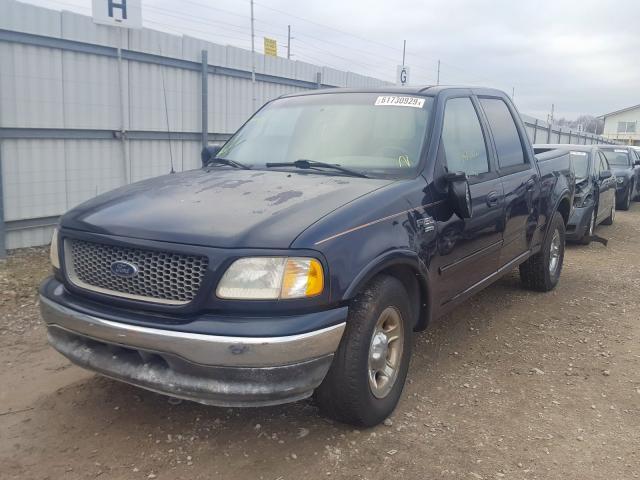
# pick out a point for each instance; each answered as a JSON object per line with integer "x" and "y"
{"x": 306, "y": 251}
{"x": 626, "y": 168}
{"x": 595, "y": 201}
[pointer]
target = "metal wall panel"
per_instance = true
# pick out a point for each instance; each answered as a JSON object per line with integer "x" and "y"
{"x": 34, "y": 178}
{"x": 29, "y": 237}
{"x": 29, "y": 18}
{"x": 30, "y": 86}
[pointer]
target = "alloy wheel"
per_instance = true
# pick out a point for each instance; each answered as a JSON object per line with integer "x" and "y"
{"x": 385, "y": 352}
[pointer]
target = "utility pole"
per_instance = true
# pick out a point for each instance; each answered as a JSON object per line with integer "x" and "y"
{"x": 288, "y": 42}
{"x": 404, "y": 50}
{"x": 513, "y": 92}
{"x": 438, "y": 77}
{"x": 253, "y": 61}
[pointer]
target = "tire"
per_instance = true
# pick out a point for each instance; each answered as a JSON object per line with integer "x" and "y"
{"x": 586, "y": 238}
{"x": 625, "y": 203}
{"x": 346, "y": 394}
{"x": 537, "y": 272}
{"x": 609, "y": 220}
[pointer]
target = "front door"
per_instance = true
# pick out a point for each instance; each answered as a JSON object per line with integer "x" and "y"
{"x": 468, "y": 248}
{"x": 606, "y": 188}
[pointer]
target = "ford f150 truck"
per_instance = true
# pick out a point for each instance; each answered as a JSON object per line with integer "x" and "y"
{"x": 306, "y": 251}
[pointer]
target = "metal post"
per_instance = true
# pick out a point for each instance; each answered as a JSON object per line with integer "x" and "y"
{"x": 253, "y": 62}
{"x": 549, "y": 134}
{"x": 535, "y": 131}
{"x": 570, "y": 136}
{"x": 404, "y": 50}
{"x": 3, "y": 230}
{"x": 318, "y": 79}
{"x": 288, "y": 42}
{"x": 205, "y": 98}
{"x": 438, "y": 78}
{"x": 123, "y": 115}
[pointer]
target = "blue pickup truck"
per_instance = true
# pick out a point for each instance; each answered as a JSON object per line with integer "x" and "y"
{"x": 306, "y": 251}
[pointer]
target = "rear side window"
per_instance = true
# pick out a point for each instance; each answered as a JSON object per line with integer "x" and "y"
{"x": 505, "y": 132}
{"x": 462, "y": 143}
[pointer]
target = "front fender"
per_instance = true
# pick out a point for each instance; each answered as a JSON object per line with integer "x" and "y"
{"x": 398, "y": 263}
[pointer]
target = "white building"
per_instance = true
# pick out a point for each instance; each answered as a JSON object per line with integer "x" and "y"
{"x": 623, "y": 125}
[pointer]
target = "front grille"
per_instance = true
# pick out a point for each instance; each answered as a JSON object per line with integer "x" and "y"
{"x": 162, "y": 277}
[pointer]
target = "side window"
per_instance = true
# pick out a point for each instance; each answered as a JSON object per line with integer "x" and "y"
{"x": 505, "y": 132}
{"x": 462, "y": 143}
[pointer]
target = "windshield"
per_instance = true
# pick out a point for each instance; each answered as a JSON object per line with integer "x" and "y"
{"x": 580, "y": 163}
{"x": 617, "y": 156}
{"x": 379, "y": 135}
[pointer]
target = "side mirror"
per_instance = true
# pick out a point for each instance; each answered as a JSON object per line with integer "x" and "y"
{"x": 604, "y": 174}
{"x": 459, "y": 194}
{"x": 209, "y": 152}
{"x": 636, "y": 163}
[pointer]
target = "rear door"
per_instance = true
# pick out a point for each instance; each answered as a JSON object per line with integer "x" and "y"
{"x": 520, "y": 179}
{"x": 469, "y": 248}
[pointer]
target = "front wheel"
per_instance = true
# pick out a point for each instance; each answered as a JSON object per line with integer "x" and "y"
{"x": 541, "y": 271}
{"x": 369, "y": 368}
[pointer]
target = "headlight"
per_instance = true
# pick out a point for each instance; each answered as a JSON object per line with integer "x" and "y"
{"x": 53, "y": 251}
{"x": 620, "y": 179}
{"x": 272, "y": 278}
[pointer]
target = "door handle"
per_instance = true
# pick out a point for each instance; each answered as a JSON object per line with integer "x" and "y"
{"x": 492, "y": 198}
{"x": 530, "y": 184}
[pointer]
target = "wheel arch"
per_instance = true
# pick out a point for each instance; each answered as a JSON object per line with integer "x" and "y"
{"x": 405, "y": 266}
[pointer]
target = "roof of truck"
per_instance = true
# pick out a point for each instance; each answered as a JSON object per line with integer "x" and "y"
{"x": 393, "y": 90}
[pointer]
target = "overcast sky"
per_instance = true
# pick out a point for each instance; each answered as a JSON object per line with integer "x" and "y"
{"x": 581, "y": 55}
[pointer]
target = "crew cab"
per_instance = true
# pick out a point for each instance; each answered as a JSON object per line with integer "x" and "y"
{"x": 595, "y": 192}
{"x": 626, "y": 168}
{"x": 306, "y": 251}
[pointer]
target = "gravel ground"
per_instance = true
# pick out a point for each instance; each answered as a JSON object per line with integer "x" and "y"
{"x": 513, "y": 384}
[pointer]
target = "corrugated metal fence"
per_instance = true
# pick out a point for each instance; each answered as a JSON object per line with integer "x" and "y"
{"x": 85, "y": 108}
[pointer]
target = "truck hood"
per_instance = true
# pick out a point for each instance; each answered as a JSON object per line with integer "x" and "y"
{"x": 219, "y": 207}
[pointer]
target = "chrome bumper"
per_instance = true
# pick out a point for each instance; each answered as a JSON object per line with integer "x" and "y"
{"x": 209, "y": 369}
{"x": 198, "y": 348}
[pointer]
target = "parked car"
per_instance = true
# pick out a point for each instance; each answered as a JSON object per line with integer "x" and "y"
{"x": 626, "y": 168}
{"x": 595, "y": 197}
{"x": 308, "y": 249}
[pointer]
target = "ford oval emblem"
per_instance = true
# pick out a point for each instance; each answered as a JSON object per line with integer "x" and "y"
{"x": 124, "y": 269}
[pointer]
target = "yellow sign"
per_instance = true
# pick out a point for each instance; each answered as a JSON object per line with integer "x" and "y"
{"x": 270, "y": 47}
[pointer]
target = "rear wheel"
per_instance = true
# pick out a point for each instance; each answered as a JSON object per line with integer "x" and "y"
{"x": 541, "y": 272}
{"x": 369, "y": 368}
{"x": 609, "y": 220}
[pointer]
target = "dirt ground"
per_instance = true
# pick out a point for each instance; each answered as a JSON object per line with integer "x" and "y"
{"x": 513, "y": 384}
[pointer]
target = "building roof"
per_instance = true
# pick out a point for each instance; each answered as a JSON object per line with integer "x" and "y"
{"x": 619, "y": 111}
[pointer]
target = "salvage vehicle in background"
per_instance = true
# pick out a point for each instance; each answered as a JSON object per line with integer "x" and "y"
{"x": 306, "y": 251}
{"x": 594, "y": 201}
{"x": 626, "y": 168}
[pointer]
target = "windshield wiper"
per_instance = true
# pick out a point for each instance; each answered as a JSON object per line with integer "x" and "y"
{"x": 226, "y": 161}
{"x": 312, "y": 164}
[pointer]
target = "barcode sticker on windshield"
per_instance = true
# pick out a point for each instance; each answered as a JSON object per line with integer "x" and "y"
{"x": 620, "y": 151}
{"x": 581, "y": 154}
{"x": 395, "y": 101}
